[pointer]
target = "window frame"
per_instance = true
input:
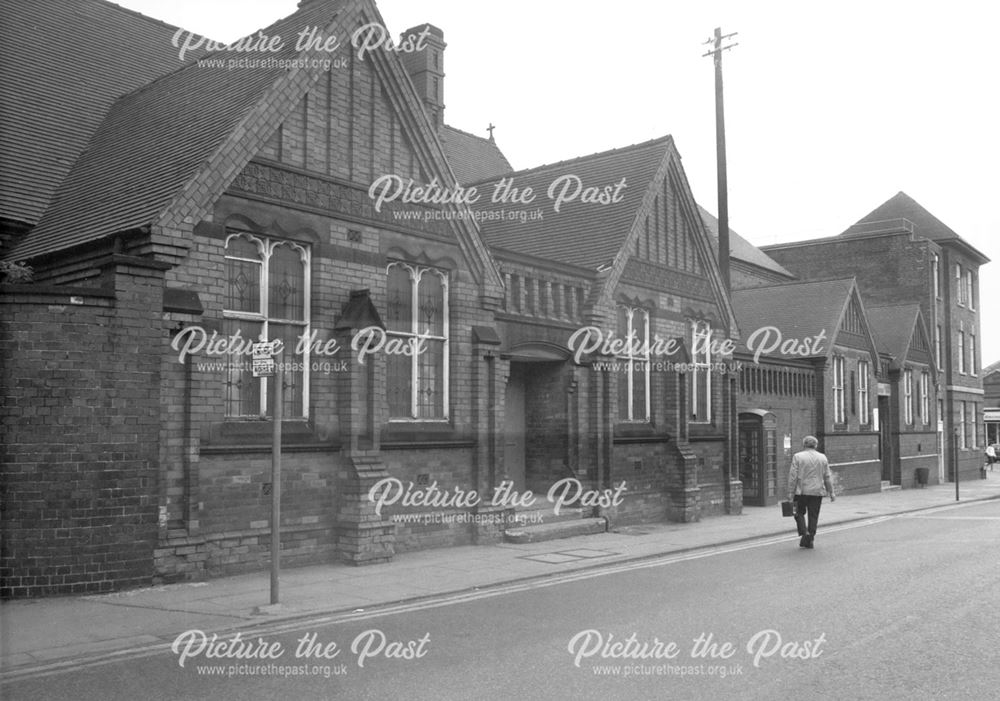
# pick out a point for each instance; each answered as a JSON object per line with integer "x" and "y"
{"x": 937, "y": 345}
{"x": 643, "y": 359}
{"x": 961, "y": 351}
{"x": 416, "y": 273}
{"x": 864, "y": 408}
{"x": 266, "y": 245}
{"x": 972, "y": 354}
{"x": 701, "y": 367}
{"x": 839, "y": 403}
{"x": 925, "y": 402}
{"x": 908, "y": 397}
{"x": 975, "y": 425}
{"x": 962, "y": 418}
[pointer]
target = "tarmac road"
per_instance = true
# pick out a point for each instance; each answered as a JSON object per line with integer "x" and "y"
{"x": 899, "y": 608}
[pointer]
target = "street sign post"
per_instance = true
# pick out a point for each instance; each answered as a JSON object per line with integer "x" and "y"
{"x": 276, "y": 482}
{"x": 263, "y": 359}
{"x": 264, "y": 365}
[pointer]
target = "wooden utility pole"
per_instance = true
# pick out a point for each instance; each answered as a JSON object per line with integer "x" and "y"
{"x": 720, "y": 151}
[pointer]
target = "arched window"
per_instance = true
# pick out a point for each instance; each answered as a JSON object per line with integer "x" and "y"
{"x": 417, "y": 313}
{"x": 633, "y": 384}
{"x": 701, "y": 376}
{"x": 267, "y": 297}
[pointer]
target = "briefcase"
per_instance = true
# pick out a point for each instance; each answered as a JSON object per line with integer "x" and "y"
{"x": 787, "y": 508}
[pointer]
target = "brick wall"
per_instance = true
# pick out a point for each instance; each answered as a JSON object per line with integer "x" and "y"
{"x": 889, "y": 268}
{"x": 79, "y": 456}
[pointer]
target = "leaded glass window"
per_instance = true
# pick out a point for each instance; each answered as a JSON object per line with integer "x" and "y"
{"x": 267, "y": 297}
{"x": 417, "y": 313}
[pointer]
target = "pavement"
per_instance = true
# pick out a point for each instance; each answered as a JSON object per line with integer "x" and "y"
{"x": 46, "y": 634}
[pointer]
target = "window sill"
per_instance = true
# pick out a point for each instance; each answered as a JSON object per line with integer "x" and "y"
{"x": 250, "y": 433}
{"x": 704, "y": 432}
{"x": 634, "y": 429}
{"x": 439, "y": 433}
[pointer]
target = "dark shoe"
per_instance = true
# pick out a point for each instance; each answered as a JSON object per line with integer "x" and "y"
{"x": 804, "y": 542}
{"x": 809, "y": 542}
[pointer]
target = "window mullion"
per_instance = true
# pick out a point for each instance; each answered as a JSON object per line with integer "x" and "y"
{"x": 415, "y": 329}
{"x": 647, "y": 381}
{"x": 263, "y": 295}
{"x": 446, "y": 370}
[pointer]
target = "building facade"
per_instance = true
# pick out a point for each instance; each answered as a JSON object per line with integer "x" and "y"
{"x": 901, "y": 253}
{"x": 433, "y": 373}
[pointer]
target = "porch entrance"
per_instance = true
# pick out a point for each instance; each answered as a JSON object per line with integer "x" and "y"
{"x": 536, "y": 430}
{"x": 758, "y": 457}
{"x": 514, "y": 425}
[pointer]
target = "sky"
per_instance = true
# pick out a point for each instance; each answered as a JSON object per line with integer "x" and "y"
{"x": 831, "y": 108}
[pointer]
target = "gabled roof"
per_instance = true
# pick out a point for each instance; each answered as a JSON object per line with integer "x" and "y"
{"x": 893, "y": 327}
{"x": 925, "y": 224}
{"x": 165, "y": 153}
{"x": 798, "y": 310}
{"x": 472, "y": 158}
{"x": 741, "y": 249}
{"x": 153, "y": 141}
{"x": 990, "y": 369}
{"x": 62, "y": 66}
{"x": 582, "y": 234}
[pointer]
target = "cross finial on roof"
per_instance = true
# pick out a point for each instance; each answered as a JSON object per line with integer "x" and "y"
{"x": 490, "y": 129}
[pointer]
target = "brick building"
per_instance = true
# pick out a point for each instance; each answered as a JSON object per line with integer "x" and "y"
{"x": 991, "y": 402}
{"x": 196, "y": 209}
{"x": 902, "y": 254}
{"x": 809, "y": 367}
{"x": 886, "y": 404}
{"x": 907, "y": 400}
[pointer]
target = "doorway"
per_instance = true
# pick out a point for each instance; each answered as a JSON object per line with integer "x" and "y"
{"x": 514, "y": 427}
{"x": 758, "y": 457}
{"x": 885, "y": 452}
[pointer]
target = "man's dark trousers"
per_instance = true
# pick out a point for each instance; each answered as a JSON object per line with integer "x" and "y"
{"x": 807, "y": 504}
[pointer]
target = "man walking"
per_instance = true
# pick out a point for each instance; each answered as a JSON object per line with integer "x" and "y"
{"x": 808, "y": 480}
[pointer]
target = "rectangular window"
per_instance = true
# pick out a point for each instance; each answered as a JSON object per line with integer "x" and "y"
{"x": 936, "y": 274}
{"x": 925, "y": 402}
{"x": 864, "y": 416}
{"x": 963, "y": 441}
{"x": 937, "y": 346}
{"x": 839, "y": 408}
{"x": 974, "y": 423}
{"x": 701, "y": 376}
{"x": 970, "y": 289}
{"x": 267, "y": 297}
{"x": 417, "y": 314}
{"x": 908, "y": 397}
{"x": 633, "y": 385}
{"x": 972, "y": 354}
{"x": 961, "y": 352}
{"x": 959, "y": 287}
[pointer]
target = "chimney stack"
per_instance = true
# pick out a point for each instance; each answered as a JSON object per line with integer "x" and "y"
{"x": 426, "y": 68}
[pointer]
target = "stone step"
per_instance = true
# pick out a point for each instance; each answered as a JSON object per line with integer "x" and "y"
{"x": 554, "y": 531}
{"x": 541, "y": 514}
{"x": 887, "y": 486}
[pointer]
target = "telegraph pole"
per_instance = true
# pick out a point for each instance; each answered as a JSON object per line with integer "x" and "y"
{"x": 720, "y": 151}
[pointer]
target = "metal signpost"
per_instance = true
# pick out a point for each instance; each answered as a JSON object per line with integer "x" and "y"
{"x": 954, "y": 448}
{"x": 264, "y": 365}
